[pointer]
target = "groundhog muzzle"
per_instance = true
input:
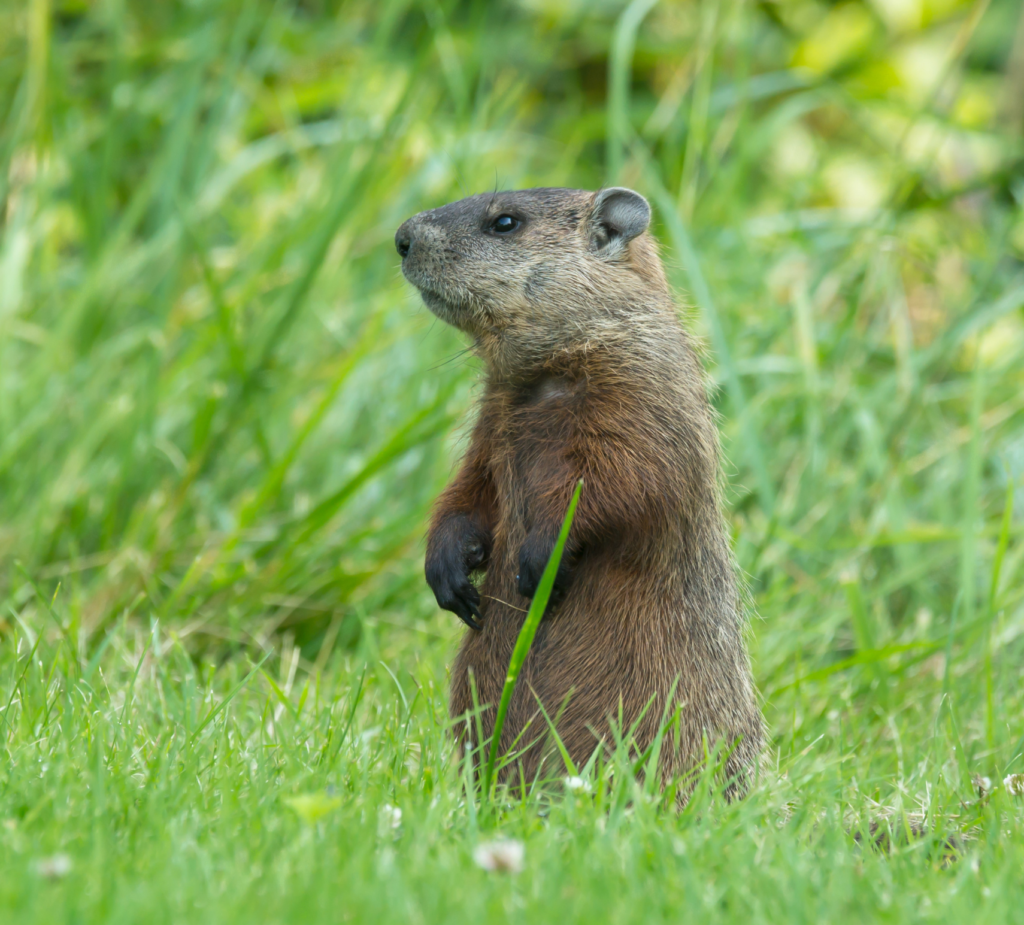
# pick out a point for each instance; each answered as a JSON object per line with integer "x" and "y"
{"x": 589, "y": 375}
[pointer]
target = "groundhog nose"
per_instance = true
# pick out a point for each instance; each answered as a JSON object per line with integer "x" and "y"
{"x": 403, "y": 240}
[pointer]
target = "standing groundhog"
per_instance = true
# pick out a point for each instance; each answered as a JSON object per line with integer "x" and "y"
{"x": 589, "y": 375}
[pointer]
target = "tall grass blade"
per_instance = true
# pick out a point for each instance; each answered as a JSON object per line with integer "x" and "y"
{"x": 990, "y": 616}
{"x": 526, "y": 634}
{"x": 683, "y": 245}
{"x": 620, "y": 67}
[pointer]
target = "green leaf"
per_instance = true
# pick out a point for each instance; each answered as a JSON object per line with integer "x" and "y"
{"x": 312, "y": 807}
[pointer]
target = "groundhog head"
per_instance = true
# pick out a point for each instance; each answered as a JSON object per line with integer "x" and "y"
{"x": 530, "y": 271}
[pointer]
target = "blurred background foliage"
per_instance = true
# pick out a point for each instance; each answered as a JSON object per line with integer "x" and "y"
{"x": 221, "y": 408}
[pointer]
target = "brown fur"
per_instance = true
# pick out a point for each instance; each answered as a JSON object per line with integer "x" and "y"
{"x": 589, "y": 375}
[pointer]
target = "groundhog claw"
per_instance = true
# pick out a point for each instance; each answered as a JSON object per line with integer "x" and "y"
{"x": 469, "y": 621}
{"x": 461, "y": 598}
{"x": 452, "y": 555}
{"x": 474, "y": 624}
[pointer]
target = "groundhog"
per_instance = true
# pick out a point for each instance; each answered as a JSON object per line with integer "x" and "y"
{"x": 589, "y": 375}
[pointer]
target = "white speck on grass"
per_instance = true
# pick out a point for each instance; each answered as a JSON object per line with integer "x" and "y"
{"x": 577, "y": 783}
{"x": 55, "y": 867}
{"x": 1014, "y": 784}
{"x": 391, "y": 816}
{"x": 505, "y": 856}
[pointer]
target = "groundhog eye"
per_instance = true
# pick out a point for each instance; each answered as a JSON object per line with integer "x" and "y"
{"x": 503, "y": 224}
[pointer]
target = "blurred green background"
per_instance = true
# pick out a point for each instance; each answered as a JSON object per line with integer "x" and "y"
{"x": 220, "y": 406}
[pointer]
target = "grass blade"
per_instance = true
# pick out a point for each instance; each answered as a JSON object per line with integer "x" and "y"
{"x": 230, "y": 696}
{"x": 526, "y": 634}
{"x": 620, "y": 67}
{"x": 684, "y": 247}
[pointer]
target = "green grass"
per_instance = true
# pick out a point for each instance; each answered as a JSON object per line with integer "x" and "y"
{"x": 223, "y": 417}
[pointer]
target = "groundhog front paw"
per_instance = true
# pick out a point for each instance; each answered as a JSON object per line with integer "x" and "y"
{"x": 454, "y": 552}
{"x": 533, "y": 558}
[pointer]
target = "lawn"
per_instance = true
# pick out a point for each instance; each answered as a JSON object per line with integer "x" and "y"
{"x": 224, "y": 416}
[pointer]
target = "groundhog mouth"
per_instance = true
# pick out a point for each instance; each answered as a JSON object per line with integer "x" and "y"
{"x": 455, "y": 311}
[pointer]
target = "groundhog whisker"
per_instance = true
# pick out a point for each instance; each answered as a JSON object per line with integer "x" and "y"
{"x": 452, "y": 359}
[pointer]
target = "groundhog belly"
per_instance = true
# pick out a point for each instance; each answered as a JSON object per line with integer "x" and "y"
{"x": 609, "y": 642}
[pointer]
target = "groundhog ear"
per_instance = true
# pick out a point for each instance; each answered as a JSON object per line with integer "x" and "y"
{"x": 617, "y": 216}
